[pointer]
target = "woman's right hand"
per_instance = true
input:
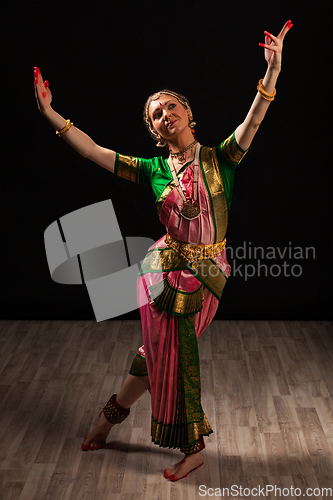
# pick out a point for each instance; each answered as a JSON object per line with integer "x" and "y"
{"x": 42, "y": 92}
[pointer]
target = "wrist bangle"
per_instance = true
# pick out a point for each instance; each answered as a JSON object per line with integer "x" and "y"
{"x": 264, "y": 94}
{"x": 66, "y": 128}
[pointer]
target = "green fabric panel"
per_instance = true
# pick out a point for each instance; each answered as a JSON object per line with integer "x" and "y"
{"x": 190, "y": 369}
{"x": 139, "y": 367}
{"x": 156, "y": 173}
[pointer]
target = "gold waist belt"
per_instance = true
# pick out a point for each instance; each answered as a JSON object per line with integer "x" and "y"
{"x": 195, "y": 253}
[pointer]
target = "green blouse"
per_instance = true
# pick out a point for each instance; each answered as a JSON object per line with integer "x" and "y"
{"x": 155, "y": 172}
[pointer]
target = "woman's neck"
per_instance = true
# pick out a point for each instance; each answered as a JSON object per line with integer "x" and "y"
{"x": 181, "y": 141}
{"x": 178, "y": 161}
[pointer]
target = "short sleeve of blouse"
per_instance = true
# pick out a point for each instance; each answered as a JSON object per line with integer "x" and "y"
{"x": 229, "y": 153}
{"x": 133, "y": 169}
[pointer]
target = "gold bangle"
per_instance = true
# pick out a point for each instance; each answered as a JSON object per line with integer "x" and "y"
{"x": 66, "y": 128}
{"x": 264, "y": 94}
{"x": 261, "y": 88}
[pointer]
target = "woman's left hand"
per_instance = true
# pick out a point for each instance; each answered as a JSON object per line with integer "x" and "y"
{"x": 273, "y": 46}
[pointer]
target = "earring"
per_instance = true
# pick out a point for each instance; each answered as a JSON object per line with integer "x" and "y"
{"x": 192, "y": 124}
{"x": 160, "y": 143}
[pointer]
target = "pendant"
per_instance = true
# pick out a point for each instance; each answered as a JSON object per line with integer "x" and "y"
{"x": 190, "y": 210}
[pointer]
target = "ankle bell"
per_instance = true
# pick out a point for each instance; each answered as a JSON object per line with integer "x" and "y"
{"x": 115, "y": 413}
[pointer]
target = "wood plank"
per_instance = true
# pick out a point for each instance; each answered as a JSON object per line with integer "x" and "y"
{"x": 264, "y": 333}
{"x": 324, "y": 408}
{"x": 23, "y": 446}
{"x": 231, "y": 472}
{"x": 323, "y": 468}
{"x": 316, "y": 384}
{"x": 325, "y": 367}
{"x": 297, "y": 453}
{"x": 84, "y": 485}
{"x": 249, "y": 336}
{"x": 285, "y": 410}
{"x": 38, "y": 481}
{"x": 256, "y": 366}
{"x": 228, "y": 438}
{"x": 313, "y": 432}
{"x": 267, "y": 420}
{"x": 275, "y": 454}
{"x": 251, "y": 452}
{"x": 279, "y": 328}
{"x": 11, "y": 491}
{"x": 301, "y": 396}
{"x": 294, "y": 330}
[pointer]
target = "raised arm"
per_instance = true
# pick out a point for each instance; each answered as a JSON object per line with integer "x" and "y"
{"x": 80, "y": 141}
{"x": 273, "y": 55}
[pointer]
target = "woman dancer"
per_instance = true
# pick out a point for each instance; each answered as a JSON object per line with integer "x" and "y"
{"x": 182, "y": 277}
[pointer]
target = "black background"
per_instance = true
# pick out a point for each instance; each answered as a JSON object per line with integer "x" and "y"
{"x": 102, "y": 61}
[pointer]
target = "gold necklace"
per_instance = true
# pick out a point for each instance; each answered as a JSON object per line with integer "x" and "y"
{"x": 190, "y": 210}
{"x": 179, "y": 154}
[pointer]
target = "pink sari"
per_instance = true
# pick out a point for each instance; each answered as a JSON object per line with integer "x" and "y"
{"x": 169, "y": 333}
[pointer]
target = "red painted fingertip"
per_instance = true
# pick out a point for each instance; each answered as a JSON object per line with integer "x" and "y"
{"x": 44, "y": 94}
{"x": 261, "y": 45}
{"x": 46, "y": 84}
{"x": 35, "y": 81}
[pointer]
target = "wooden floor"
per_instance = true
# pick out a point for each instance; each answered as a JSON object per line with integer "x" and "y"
{"x": 267, "y": 391}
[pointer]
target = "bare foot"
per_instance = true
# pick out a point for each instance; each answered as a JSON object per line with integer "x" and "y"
{"x": 96, "y": 439}
{"x": 182, "y": 469}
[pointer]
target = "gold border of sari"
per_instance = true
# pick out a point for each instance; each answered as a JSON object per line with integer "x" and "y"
{"x": 213, "y": 278}
{"x": 161, "y": 260}
{"x": 215, "y": 188}
{"x": 174, "y": 301}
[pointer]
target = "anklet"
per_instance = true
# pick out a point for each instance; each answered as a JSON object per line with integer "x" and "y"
{"x": 115, "y": 413}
